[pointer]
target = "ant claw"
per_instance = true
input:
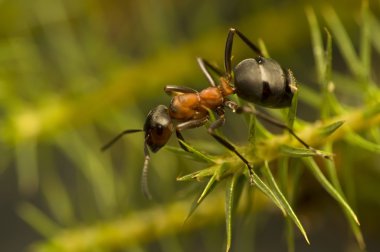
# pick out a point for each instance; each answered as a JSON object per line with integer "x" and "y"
{"x": 251, "y": 176}
{"x": 251, "y": 180}
{"x": 321, "y": 154}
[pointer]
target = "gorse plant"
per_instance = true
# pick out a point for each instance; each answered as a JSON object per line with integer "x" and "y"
{"x": 266, "y": 148}
{"x": 279, "y": 160}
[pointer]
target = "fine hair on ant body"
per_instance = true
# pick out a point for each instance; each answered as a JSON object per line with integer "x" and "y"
{"x": 259, "y": 80}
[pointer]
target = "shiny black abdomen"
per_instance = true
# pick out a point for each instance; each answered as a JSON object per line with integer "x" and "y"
{"x": 263, "y": 81}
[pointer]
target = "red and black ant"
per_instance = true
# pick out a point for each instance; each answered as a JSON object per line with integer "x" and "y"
{"x": 258, "y": 80}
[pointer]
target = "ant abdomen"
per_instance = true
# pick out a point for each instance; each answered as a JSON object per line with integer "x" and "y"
{"x": 264, "y": 82}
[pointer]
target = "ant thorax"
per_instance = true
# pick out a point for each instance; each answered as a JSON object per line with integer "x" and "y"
{"x": 190, "y": 106}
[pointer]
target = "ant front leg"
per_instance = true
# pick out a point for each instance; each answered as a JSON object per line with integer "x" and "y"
{"x": 228, "y": 49}
{"x": 246, "y": 109}
{"x": 211, "y": 130}
{"x": 188, "y": 125}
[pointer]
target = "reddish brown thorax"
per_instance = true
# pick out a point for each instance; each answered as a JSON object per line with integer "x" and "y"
{"x": 184, "y": 107}
{"x": 211, "y": 98}
{"x": 190, "y": 106}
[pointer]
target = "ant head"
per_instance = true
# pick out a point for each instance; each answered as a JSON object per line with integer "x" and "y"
{"x": 158, "y": 128}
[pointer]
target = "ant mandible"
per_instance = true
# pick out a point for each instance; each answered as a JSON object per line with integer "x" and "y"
{"x": 258, "y": 80}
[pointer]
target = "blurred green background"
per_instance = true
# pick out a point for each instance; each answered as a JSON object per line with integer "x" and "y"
{"x": 75, "y": 73}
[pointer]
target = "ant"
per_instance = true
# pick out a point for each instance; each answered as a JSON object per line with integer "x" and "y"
{"x": 259, "y": 80}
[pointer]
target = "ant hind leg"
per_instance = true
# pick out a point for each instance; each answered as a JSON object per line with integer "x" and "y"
{"x": 228, "y": 48}
{"x": 246, "y": 109}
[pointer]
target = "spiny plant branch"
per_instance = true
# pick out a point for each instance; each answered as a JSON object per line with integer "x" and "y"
{"x": 134, "y": 228}
{"x": 170, "y": 218}
{"x": 353, "y": 121}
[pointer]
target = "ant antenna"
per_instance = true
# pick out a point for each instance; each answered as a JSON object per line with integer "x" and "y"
{"x": 125, "y": 132}
{"x": 144, "y": 176}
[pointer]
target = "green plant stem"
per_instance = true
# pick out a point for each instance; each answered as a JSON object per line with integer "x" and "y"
{"x": 159, "y": 221}
{"x": 142, "y": 226}
{"x": 354, "y": 121}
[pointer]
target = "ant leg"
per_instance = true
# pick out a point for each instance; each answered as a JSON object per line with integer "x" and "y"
{"x": 144, "y": 176}
{"x": 188, "y": 125}
{"x": 175, "y": 90}
{"x": 211, "y": 130}
{"x": 204, "y": 64}
{"x": 246, "y": 109}
{"x": 180, "y": 137}
{"x": 228, "y": 49}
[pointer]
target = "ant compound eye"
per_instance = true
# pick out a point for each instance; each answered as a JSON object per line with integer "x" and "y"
{"x": 158, "y": 136}
{"x": 159, "y": 129}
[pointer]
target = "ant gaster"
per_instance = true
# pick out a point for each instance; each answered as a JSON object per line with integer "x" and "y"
{"x": 258, "y": 80}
